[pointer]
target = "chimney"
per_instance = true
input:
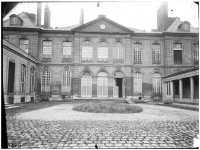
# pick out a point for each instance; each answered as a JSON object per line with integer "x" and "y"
{"x": 47, "y": 17}
{"x": 39, "y": 12}
{"x": 82, "y": 17}
{"x": 162, "y": 17}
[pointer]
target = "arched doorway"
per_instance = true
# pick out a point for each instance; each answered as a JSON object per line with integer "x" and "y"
{"x": 102, "y": 85}
{"x": 118, "y": 88}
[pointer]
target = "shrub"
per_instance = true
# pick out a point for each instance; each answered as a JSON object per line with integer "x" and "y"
{"x": 167, "y": 101}
{"x": 107, "y": 107}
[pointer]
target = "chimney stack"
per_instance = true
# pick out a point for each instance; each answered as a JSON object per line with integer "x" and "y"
{"x": 82, "y": 17}
{"x": 47, "y": 17}
{"x": 39, "y": 12}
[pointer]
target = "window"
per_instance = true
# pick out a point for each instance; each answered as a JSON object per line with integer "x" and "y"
{"x": 137, "y": 83}
{"x": 67, "y": 49}
{"x": 23, "y": 44}
{"x": 157, "y": 84}
{"x": 137, "y": 53}
{"x": 102, "y": 85}
{"x": 168, "y": 88}
{"x": 156, "y": 53}
{"x": 32, "y": 80}
{"x": 87, "y": 51}
{"x": 46, "y": 80}
{"x": 196, "y": 53}
{"x": 86, "y": 84}
{"x": 46, "y": 49}
{"x": 23, "y": 79}
{"x": 102, "y": 51}
{"x": 177, "y": 53}
{"x": 11, "y": 77}
{"x": 118, "y": 52}
{"x": 66, "y": 81}
{"x": 14, "y": 21}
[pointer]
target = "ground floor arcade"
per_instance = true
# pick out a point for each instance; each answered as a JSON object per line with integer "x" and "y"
{"x": 182, "y": 86}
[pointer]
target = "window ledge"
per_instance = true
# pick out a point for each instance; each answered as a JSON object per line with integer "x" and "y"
{"x": 46, "y": 59}
{"x": 118, "y": 61}
{"x": 66, "y": 59}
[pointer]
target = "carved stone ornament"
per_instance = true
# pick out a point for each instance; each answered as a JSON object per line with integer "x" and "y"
{"x": 156, "y": 70}
{"x": 46, "y": 67}
{"x": 118, "y": 68}
{"x": 66, "y": 67}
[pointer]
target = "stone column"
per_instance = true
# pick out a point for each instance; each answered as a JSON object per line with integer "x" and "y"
{"x": 172, "y": 90}
{"x": 180, "y": 89}
{"x": 192, "y": 89}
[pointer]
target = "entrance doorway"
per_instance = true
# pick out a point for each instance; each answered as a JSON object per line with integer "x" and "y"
{"x": 118, "y": 90}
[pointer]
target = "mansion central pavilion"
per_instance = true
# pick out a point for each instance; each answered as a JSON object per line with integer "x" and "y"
{"x": 99, "y": 59}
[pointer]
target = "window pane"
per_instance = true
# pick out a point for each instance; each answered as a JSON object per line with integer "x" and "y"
{"x": 23, "y": 44}
{"x": 177, "y": 56}
{"x": 47, "y": 47}
{"x": 137, "y": 53}
{"x": 87, "y": 53}
{"x": 156, "y": 53}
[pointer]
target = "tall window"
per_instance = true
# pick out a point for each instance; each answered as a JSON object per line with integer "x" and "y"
{"x": 157, "y": 84}
{"x": 66, "y": 81}
{"x": 11, "y": 77}
{"x": 67, "y": 49}
{"x": 177, "y": 53}
{"x": 23, "y": 79}
{"x": 137, "y": 83}
{"x": 87, "y": 51}
{"x": 137, "y": 53}
{"x": 46, "y": 49}
{"x": 86, "y": 84}
{"x": 32, "y": 80}
{"x": 102, "y": 51}
{"x": 196, "y": 53}
{"x": 102, "y": 85}
{"x": 118, "y": 52}
{"x": 46, "y": 81}
{"x": 156, "y": 53}
{"x": 23, "y": 44}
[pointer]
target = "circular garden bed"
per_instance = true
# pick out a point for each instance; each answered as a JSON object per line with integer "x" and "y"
{"x": 107, "y": 107}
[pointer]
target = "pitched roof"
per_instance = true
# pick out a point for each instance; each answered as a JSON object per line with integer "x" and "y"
{"x": 174, "y": 27}
{"x": 67, "y": 28}
{"x": 27, "y": 22}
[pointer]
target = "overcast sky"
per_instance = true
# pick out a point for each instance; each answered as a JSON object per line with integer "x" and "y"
{"x": 135, "y": 14}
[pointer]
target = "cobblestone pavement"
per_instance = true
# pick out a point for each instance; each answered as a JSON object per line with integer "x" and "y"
{"x": 70, "y": 132}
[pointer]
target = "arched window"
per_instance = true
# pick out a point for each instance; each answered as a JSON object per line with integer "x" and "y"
{"x": 157, "y": 84}
{"x": 46, "y": 81}
{"x": 86, "y": 84}
{"x": 118, "y": 52}
{"x": 23, "y": 78}
{"x": 102, "y": 51}
{"x": 87, "y": 51}
{"x": 66, "y": 81}
{"x": 102, "y": 85}
{"x": 32, "y": 80}
{"x": 137, "y": 83}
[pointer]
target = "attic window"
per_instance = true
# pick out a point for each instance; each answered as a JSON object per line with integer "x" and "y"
{"x": 15, "y": 20}
{"x": 185, "y": 26}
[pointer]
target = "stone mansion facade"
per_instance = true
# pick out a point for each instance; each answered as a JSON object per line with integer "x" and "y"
{"x": 98, "y": 59}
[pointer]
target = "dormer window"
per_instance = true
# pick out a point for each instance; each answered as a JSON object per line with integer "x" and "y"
{"x": 15, "y": 20}
{"x": 185, "y": 26}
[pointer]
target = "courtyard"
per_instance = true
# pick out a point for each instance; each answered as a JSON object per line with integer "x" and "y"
{"x": 56, "y": 125}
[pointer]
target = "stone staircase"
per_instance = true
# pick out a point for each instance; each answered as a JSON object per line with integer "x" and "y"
{"x": 10, "y": 106}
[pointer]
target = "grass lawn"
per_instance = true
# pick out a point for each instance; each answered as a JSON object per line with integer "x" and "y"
{"x": 107, "y": 107}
